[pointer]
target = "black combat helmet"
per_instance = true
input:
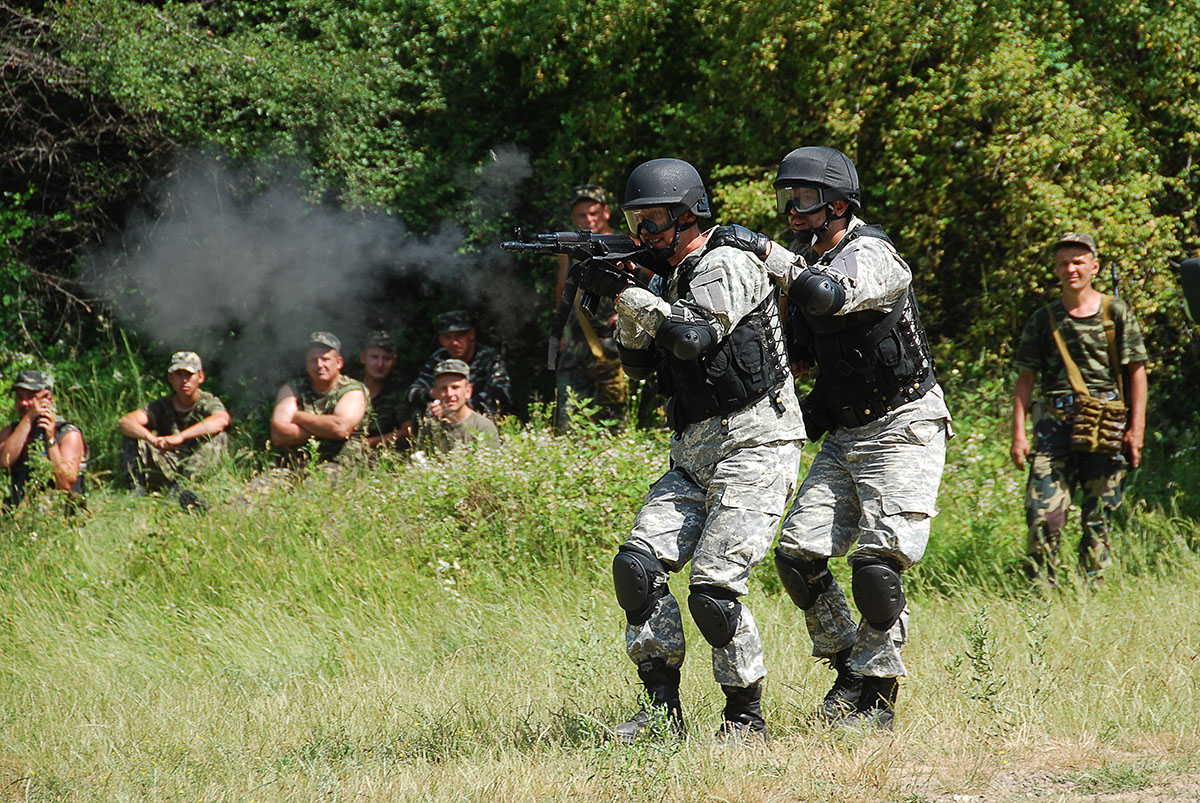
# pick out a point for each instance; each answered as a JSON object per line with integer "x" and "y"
{"x": 827, "y": 171}
{"x": 672, "y": 183}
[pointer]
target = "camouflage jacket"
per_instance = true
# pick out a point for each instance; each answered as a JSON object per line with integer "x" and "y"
{"x": 330, "y": 450}
{"x": 491, "y": 387}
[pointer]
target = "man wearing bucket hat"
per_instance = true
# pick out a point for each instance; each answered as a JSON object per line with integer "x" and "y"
{"x": 41, "y": 431}
{"x": 178, "y": 436}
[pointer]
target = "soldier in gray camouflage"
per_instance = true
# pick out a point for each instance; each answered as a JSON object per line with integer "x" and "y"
{"x": 713, "y": 335}
{"x": 871, "y": 490}
{"x": 1055, "y": 470}
{"x": 177, "y": 437}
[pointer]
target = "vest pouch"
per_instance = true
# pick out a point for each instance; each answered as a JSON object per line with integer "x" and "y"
{"x": 895, "y": 357}
{"x": 1098, "y": 425}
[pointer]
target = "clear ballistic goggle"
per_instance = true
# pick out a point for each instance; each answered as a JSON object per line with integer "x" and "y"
{"x": 653, "y": 220}
{"x": 804, "y": 200}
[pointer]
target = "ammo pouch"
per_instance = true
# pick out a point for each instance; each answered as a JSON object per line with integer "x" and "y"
{"x": 1097, "y": 425}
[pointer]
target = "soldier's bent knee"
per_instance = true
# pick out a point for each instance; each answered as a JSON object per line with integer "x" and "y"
{"x": 640, "y": 580}
{"x": 716, "y": 611}
{"x": 878, "y": 592}
{"x": 803, "y": 580}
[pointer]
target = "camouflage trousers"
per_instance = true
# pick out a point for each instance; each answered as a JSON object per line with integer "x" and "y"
{"x": 153, "y": 468}
{"x": 722, "y": 518}
{"x": 1055, "y": 471}
{"x": 574, "y": 387}
{"x": 874, "y": 485}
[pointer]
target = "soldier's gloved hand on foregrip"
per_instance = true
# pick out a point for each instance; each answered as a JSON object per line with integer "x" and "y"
{"x": 816, "y": 292}
{"x": 602, "y": 279}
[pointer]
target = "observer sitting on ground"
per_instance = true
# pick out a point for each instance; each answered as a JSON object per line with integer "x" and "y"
{"x": 40, "y": 431}
{"x": 178, "y": 436}
{"x": 325, "y": 407}
{"x": 448, "y": 421}
{"x": 378, "y": 358}
{"x": 490, "y": 384}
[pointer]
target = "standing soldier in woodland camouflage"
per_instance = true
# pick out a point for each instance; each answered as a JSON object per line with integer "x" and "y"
{"x": 589, "y": 366}
{"x": 1101, "y": 339}
{"x": 715, "y": 339}
{"x": 874, "y": 482}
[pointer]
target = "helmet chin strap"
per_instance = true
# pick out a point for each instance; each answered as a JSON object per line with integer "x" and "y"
{"x": 816, "y": 234}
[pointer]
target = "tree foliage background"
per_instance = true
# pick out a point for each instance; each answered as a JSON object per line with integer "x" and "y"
{"x": 981, "y": 130}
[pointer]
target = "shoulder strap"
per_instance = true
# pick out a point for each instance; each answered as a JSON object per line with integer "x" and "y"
{"x": 1110, "y": 333}
{"x": 589, "y": 333}
{"x": 1073, "y": 374}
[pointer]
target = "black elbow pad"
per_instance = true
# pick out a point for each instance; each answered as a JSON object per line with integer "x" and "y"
{"x": 817, "y": 293}
{"x": 685, "y": 334}
{"x": 637, "y": 363}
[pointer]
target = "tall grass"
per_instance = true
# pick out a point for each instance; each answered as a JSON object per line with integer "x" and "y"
{"x": 445, "y": 629}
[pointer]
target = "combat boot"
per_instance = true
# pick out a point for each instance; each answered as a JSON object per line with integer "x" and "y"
{"x": 877, "y": 705}
{"x": 661, "y": 714}
{"x": 743, "y": 715}
{"x": 840, "y": 701}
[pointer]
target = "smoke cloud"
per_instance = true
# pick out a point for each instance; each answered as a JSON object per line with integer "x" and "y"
{"x": 243, "y": 273}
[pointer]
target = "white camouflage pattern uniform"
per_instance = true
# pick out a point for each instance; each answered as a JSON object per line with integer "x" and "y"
{"x": 875, "y": 484}
{"x": 731, "y": 475}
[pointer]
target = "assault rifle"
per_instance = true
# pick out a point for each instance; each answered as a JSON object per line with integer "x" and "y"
{"x": 581, "y": 247}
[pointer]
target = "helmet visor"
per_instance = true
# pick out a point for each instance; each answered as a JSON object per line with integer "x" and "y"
{"x": 804, "y": 200}
{"x": 652, "y": 220}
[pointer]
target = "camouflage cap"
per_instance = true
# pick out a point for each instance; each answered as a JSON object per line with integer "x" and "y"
{"x": 326, "y": 339}
{"x": 458, "y": 320}
{"x": 589, "y": 192}
{"x": 185, "y": 361}
{"x": 380, "y": 338}
{"x": 452, "y": 367}
{"x": 34, "y": 380}
{"x": 1077, "y": 238}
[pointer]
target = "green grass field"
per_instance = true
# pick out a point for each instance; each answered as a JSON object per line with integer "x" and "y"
{"x": 447, "y": 631}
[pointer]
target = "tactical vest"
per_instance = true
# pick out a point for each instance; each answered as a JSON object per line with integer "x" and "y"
{"x": 870, "y": 362}
{"x": 737, "y": 372}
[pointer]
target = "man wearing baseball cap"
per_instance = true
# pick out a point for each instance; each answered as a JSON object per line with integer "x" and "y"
{"x": 324, "y": 406}
{"x": 448, "y": 421}
{"x": 1083, "y": 343}
{"x": 378, "y": 359}
{"x": 41, "y": 431}
{"x": 589, "y": 365}
{"x": 491, "y": 387}
{"x": 175, "y": 437}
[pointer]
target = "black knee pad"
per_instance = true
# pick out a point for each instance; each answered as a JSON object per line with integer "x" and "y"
{"x": 803, "y": 580}
{"x": 716, "y": 611}
{"x": 878, "y": 592}
{"x": 640, "y": 580}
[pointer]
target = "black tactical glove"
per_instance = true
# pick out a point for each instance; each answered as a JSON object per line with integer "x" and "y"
{"x": 741, "y": 237}
{"x": 602, "y": 279}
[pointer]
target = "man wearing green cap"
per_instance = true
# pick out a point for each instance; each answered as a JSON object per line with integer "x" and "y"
{"x": 1100, "y": 337}
{"x": 589, "y": 364}
{"x": 40, "y": 430}
{"x": 177, "y": 436}
{"x": 325, "y": 406}
{"x": 448, "y": 421}
{"x": 378, "y": 358}
{"x": 491, "y": 387}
